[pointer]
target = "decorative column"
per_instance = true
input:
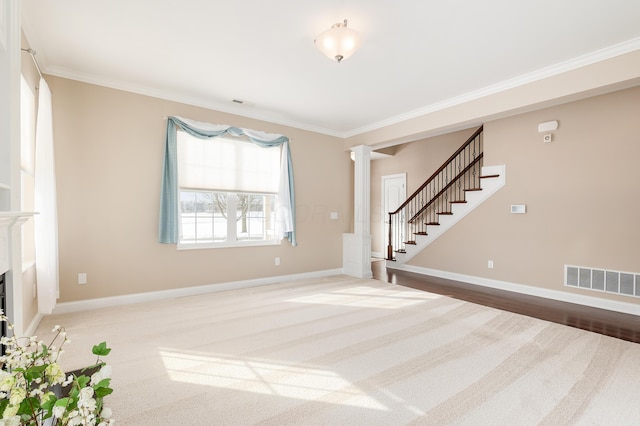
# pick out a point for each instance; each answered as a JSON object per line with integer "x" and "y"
{"x": 356, "y": 247}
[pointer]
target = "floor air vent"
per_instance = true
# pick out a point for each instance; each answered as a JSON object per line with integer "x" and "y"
{"x": 624, "y": 283}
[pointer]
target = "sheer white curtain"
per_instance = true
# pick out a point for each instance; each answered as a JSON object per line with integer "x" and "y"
{"x": 46, "y": 222}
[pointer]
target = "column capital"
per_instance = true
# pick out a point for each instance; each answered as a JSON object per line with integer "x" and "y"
{"x": 363, "y": 149}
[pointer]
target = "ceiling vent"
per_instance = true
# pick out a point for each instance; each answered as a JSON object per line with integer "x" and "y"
{"x": 241, "y": 102}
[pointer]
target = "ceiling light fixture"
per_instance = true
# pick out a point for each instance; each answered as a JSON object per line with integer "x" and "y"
{"x": 338, "y": 42}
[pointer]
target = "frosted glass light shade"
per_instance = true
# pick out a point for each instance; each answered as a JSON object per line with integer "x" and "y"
{"x": 338, "y": 42}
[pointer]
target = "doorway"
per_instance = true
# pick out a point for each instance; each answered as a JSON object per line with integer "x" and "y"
{"x": 394, "y": 193}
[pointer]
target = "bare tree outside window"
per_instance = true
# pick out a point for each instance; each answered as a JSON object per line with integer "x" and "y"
{"x": 204, "y": 216}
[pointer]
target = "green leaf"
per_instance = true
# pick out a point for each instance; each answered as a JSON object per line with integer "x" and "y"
{"x": 83, "y": 381}
{"x": 104, "y": 383}
{"x": 62, "y": 402}
{"x": 29, "y": 405}
{"x": 3, "y": 405}
{"x": 49, "y": 403}
{"x": 101, "y": 349}
{"x": 34, "y": 372}
{"x": 102, "y": 392}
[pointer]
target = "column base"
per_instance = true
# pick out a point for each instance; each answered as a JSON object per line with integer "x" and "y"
{"x": 356, "y": 255}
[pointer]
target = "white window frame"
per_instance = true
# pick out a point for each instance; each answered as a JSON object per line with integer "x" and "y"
{"x": 232, "y": 234}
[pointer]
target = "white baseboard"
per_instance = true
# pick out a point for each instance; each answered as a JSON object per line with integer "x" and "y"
{"x": 90, "y": 304}
{"x": 35, "y": 322}
{"x": 611, "y": 305}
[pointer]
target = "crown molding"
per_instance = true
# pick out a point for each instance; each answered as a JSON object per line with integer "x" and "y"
{"x": 532, "y": 77}
{"x": 174, "y": 96}
{"x": 544, "y": 73}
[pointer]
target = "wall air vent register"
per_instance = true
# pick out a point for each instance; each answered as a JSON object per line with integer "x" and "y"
{"x": 616, "y": 282}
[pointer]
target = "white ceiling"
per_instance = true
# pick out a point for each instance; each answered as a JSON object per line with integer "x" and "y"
{"x": 416, "y": 54}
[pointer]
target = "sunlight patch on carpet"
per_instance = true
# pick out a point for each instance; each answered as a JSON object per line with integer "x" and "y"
{"x": 368, "y": 297}
{"x": 263, "y": 377}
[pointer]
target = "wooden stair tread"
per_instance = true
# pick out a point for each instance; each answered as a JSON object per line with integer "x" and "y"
{"x": 489, "y": 176}
{"x": 458, "y": 202}
{"x": 420, "y": 233}
{"x": 473, "y": 189}
{"x": 445, "y": 213}
{"x": 413, "y": 243}
{"x": 432, "y": 223}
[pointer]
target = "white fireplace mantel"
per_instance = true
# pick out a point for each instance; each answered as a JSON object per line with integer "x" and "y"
{"x": 7, "y": 221}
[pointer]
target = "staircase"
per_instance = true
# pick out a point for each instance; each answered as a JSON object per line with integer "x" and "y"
{"x": 460, "y": 185}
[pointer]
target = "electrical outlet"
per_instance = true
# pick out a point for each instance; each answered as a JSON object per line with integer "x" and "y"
{"x": 277, "y": 261}
{"x": 490, "y": 264}
{"x": 82, "y": 278}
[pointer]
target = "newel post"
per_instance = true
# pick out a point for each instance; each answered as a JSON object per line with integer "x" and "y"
{"x": 356, "y": 247}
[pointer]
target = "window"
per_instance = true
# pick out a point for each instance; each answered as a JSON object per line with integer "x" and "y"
{"x": 27, "y": 169}
{"x": 227, "y": 192}
{"x": 204, "y": 217}
{"x": 262, "y": 167}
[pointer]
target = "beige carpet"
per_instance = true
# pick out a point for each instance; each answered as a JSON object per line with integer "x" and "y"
{"x": 344, "y": 351}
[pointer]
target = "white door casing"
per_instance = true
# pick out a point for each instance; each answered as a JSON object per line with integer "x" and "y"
{"x": 394, "y": 193}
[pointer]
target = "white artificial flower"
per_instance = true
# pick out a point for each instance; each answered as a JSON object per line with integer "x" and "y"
{"x": 86, "y": 393}
{"x": 10, "y": 411}
{"x": 106, "y": 413}
{"x": 17, "y": 396}
{"x": 103, "y": 373}
{"x": 58, "y": 411}
{"x": 45, "y": 396}
{"x": 54, "y": 373}
{"x": 88, "y": 405}
{"x": 77, "y": 420}
{"x": 7, "y": 381}
{"x": 10, "y": 421}
{"x": 68, "y": 381}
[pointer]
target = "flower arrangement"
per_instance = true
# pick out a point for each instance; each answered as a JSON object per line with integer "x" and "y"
{"x": 32, "y": 384}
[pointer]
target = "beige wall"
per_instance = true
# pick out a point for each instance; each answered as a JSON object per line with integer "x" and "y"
{"x": 581, "y": 193}
{"x": 109, "y": 150}
{"x": 419, "y": 160}
{"x": 109, "y": 153}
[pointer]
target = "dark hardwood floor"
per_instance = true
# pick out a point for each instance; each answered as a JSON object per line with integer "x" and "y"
{"x": 610, "y": 323}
